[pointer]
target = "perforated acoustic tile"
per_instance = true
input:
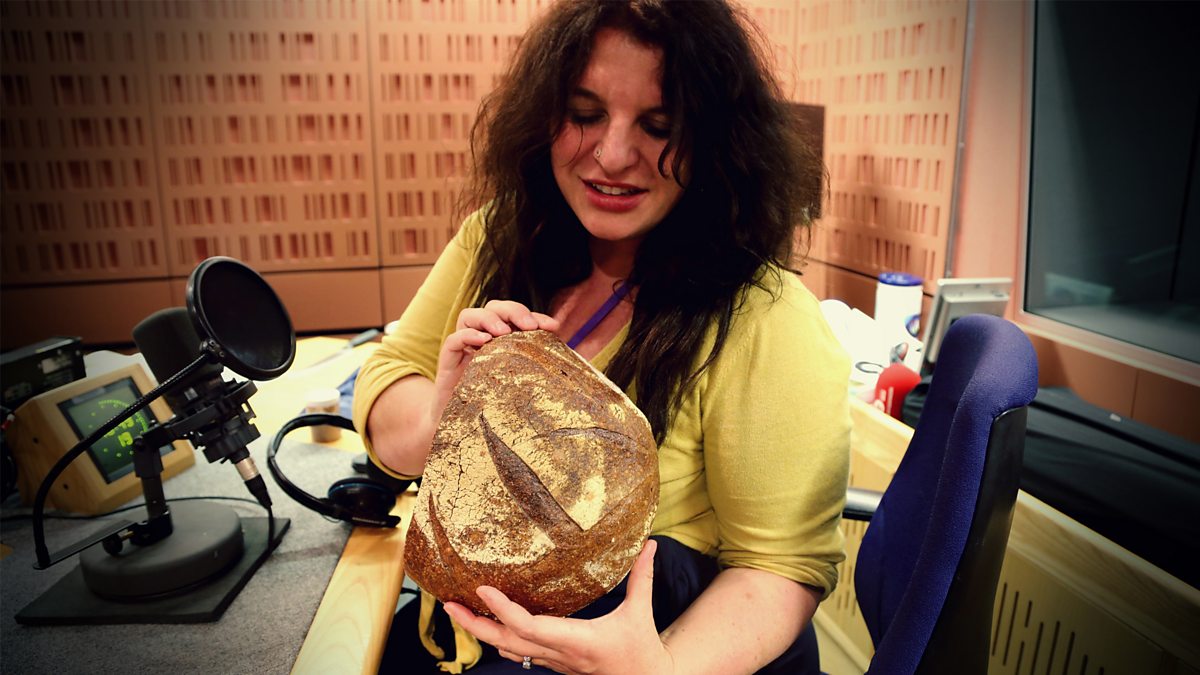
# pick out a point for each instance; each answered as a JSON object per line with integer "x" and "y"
{"x": 889, "y": 74}
{"x": 262, "y": 115}
{"x": 300, "y": 135}
{"x": 431, "y": 65}
{"x": 776, "y": 20}
{"x": 77, "y": 167}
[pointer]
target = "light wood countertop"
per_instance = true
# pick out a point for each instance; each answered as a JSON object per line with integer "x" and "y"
{"x": 351, "y": 625}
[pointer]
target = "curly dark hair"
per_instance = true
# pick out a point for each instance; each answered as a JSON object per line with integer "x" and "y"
{"x": 748, "y": 183}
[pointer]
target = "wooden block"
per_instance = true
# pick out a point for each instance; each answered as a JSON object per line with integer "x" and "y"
{"x": 1167, "y": 404}
{"x": 330, "y": 300}
{"x": 400, "y": 284}
{"x": 1097, "y": 380}
{"x": 853, "y": 288}
{"x": 98, "y": 312}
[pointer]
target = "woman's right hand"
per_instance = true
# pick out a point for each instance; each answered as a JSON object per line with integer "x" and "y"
{"x": 476, "y": 327}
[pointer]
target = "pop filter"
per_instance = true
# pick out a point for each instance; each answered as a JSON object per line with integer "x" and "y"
{"x": 231, "y": 304}
{"x": 233, "y": 319}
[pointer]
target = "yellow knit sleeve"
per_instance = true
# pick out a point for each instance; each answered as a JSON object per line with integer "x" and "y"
{"x": 776, "y": 429}
{"x": 414, "y": 347}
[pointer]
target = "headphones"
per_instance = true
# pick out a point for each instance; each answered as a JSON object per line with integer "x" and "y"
{"x": 359, "y": 500}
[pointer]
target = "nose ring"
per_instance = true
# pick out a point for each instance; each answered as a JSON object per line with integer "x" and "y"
{"x": 597, "y": 153}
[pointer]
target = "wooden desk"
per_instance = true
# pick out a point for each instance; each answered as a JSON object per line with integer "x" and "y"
{"x": 351, "y": 625}
{"x": 1061, "y": 584}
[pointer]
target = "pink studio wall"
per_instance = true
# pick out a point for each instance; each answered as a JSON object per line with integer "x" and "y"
{"x": 310, "y": 137}
{"x": 320, "y": 141}
{"x": 1125, "y": 380}
{"x": 323, "y": 142}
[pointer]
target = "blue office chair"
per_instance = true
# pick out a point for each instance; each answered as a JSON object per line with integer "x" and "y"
{"x": 930, "y": 559}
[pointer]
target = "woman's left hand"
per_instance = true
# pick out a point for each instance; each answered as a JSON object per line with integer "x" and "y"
{"x": 622, "y": 641}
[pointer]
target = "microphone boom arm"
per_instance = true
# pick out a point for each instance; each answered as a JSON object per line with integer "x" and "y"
{"x": 44, "y": 559}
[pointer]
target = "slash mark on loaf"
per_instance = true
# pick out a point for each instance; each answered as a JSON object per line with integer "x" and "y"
{"x": 528, "y": 491}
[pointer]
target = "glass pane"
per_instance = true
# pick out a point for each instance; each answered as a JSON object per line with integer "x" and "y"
{"x": 1114, "y": 209}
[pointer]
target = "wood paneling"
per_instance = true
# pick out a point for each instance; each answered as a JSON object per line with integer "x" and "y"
{"x": 1095, "y": 379}
{"x": 889, "y": 75}
{"x": 1068, "y": 600}
{"x": 100, "y": 313}
{"x": 1167, "y": 404}
{"x": 330, "y": 300}
{"x": 400, "y": 284}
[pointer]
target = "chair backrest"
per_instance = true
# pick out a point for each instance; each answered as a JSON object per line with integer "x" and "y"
{"x": 930, "y": 559}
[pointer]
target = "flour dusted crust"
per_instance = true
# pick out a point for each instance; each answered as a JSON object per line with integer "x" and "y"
{"x": 542, "y": 482}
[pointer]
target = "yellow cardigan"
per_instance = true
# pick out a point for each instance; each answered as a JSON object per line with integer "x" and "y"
{"x": 754, "y": 467}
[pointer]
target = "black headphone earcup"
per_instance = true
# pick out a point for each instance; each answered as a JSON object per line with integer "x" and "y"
{"x": 358, "y": 500}
{"x": 362, "y": 496}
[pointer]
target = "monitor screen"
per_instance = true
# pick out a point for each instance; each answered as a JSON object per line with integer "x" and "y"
{"x": 956, "y": 298}
{"x": 113, "y": 453}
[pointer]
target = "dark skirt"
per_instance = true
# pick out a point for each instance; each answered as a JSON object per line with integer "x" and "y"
{"x": 680, "y": 575}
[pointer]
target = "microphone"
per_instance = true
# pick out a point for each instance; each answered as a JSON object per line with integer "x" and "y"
{"x": 234, "y": 320}
{"x": 169, "y": 343}
{"x": 213, "y": 412}
{"x": 893, "y": 385}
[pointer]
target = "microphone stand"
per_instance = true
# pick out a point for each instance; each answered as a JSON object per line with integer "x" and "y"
{"x": 44, "y": 559}
{"x": 147, "y": 465}
{"x": 209, "y": 540}
{"x": 187, "y": 561}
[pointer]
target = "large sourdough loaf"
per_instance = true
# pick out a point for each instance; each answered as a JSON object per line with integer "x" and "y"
{"x": 542, "y": 482}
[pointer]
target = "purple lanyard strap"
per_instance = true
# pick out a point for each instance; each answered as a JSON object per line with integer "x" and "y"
{"x": 596, "y": 318}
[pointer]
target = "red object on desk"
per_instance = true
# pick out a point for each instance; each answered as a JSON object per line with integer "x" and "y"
{"x": 893, "y": 385}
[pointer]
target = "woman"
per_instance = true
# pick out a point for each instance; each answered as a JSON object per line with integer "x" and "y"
{"x": 637, "y": 158}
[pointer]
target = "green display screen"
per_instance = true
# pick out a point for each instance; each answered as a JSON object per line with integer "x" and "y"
{"x": 113, "y": 453}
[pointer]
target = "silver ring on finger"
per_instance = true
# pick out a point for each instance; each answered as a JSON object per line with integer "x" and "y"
{"x": 525, "y": 662}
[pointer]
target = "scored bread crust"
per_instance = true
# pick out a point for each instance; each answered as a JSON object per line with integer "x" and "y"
{"x": 542, "y": 482}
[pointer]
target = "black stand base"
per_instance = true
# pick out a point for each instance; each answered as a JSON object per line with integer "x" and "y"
{"x": 206, "y": 543}
{"x": 70, "y": 601}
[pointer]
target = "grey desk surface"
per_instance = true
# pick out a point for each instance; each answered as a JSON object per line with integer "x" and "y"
{"x": 263, "y": 628}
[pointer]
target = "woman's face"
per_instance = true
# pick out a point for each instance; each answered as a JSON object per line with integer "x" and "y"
{"x": 605, "y": 155}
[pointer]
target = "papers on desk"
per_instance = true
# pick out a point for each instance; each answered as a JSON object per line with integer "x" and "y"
{"x": 103, "y": 361}
{"x": 871, "y": 347}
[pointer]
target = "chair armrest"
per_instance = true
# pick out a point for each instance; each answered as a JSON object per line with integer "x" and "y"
{"x": 861, "y": 503}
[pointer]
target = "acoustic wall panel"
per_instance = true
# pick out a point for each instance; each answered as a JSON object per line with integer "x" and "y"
{"x": 776, "y": 21}
{"x": 262, "y": 117}
{"x": 399, "y": 286}
{"x": 320, "y": 301}
{"x": 108, "y": 310}
{"x": 77, "y": 172}
{"x": 1040, "y": 626}
{"x": 329, "y": 300}
{"x": 302, "y": 135}
{"x": 889, "y": 75}
{"x": 431, "y": 65}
